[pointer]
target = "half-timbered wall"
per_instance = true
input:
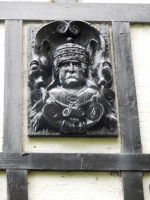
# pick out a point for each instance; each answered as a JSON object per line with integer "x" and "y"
{"x": 82, "y": 185}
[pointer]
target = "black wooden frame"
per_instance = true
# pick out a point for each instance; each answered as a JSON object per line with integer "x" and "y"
{"x": 131, "y": 162}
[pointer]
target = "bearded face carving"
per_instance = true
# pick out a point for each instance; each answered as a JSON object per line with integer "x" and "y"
{"x": 70, "y": 81}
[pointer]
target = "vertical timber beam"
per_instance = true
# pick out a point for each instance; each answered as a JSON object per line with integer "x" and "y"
{"x": 12, "y": 143}
{"x": 128, "y": 112}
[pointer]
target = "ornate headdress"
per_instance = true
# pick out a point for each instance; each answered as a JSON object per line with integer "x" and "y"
{"x": 68, "y": 40}
{"x": 69, "y": 51}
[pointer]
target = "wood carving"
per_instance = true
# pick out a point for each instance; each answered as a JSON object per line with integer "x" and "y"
{"x": 70, "y": 80}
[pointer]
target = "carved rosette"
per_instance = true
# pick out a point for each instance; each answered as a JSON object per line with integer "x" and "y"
{"x": 70, "y": 80}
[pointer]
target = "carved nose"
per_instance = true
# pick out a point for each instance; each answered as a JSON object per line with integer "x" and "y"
{"x": 71, "y": 68}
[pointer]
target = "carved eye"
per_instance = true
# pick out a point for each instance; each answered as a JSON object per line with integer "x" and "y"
{"x": 64, "y": 64}
{"x": 76, "y": 64}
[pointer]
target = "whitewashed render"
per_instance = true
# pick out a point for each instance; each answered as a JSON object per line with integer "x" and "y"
{"x": 79, "y": 185}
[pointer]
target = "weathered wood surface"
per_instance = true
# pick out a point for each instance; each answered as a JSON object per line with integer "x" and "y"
{"x": 17, "y": 184}
{"x": 96, "y": 131}
{"x": 75, "y": 162}
{"x": 133, "y": 186}
{"x": 72, "y": 11}
{"x": 129, "y": 121}
{"x": 128, "y": 112}
{"x": 12, "y": 142}
{"x": 13, "y": 87}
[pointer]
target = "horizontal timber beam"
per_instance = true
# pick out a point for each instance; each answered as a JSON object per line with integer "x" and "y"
{"x": 72, "y": 11}
{"x": 75, "y": 162}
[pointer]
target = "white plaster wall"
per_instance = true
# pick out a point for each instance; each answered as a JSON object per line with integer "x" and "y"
{"x": 140, "y": 41}
{"x": 3, "y": 186}
{"x": 74, "y": 186}
{"x": 146, "y": 185}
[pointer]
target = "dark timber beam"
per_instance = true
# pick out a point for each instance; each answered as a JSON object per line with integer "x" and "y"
{"x": 16, "y": 179}
{"x": 13, "y": 87}
{"x": 17, "y": 185}
{"x": 128, "y": 112}
{"x": 71, "y": 11}
{"x": 75, "y": 162}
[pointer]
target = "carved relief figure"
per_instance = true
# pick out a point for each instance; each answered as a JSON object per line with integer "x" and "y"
{"x": 70, "y": 79}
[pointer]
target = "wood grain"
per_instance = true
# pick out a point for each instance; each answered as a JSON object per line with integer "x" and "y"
{"x": 12, "y": 142}
{"x": 128, "y": 112}
{"x": 71, "y": 11}
{"x": 129, "y": 121}
{"x": 13, "y": 87}
{"x": 76, "y": 162}
{"x": 17, "y": 185}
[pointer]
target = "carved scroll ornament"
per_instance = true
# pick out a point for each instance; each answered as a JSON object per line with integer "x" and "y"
{"x": 70, "y": 79}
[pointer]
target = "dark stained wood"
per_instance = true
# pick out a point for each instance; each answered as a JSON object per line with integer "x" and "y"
{"x": 17, "y": 184}
{"x": 95, "y": 132}
{"x": 83, "y": 11}
{"x": 129, "y": 121}
{"x": 76, "y": 162}
{"x": 12, "y": 142}
{"x": 133, "y": 186}
{"x": 13, "y": 87}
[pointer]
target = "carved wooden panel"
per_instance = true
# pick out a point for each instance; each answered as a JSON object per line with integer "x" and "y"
{"x": 71, "y": 80}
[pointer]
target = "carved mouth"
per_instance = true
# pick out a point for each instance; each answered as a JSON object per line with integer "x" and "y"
{"x": 72, "y": 77}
